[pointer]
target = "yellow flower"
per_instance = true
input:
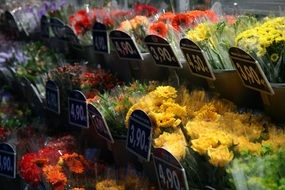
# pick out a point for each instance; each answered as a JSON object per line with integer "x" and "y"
{"x": 173, "y": 142}
{"x": 202, "y": 144}
{"x": 220, "y": 156}
{"x": 165, "y": 92}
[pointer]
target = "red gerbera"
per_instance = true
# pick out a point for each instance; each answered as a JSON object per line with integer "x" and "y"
{"x": 182, "y": 20}
{"x": 145, "y": 10}
{"x": 159, "y": 28}
{"x": 166, "y": 17}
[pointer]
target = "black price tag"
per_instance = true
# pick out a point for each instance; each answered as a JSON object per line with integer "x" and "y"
{"x": 70, "y": 36}
{"x": 169, "y": 172}
{"x": 139, "y": 136}
{"x": 100, "y": 124}
{"x": 100, "y": 38}
{"x": 250, "y": 71}
{"x": 125, "y": 46}
{"x": 57, "y": 27}
{"x": 196, "y": 60}
{"x": 7, "y": 160}
{"x": 162, "y": 52}
{"x": 52, "y": 97}
{"x": 44, "y": 27}
{"x": 77, "y": 109}
{"x": 11, "y": 21}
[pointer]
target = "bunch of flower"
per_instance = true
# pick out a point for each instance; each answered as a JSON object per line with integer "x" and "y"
{"x": 82, "y": 21}
{"x": 162, "y": 107}
{"x": 136, "y": 27}
{"x": 216, "y": 38}
{"x": 97, "y": 81}
{"x": 115, "y": 104}
{"x": 266, "y": 43}
{"x": 49, "y": 161}
{"x": 219, "y": 132}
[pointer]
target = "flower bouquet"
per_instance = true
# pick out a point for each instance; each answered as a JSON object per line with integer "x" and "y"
{"x": 265, "y": 42}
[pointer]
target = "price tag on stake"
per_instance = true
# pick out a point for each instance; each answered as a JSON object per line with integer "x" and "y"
{"x": 139, "y": 137}
{"x": 169, "y": 172}
{"x": 250, "y": 71}
{"x": 52, "y": 97}
{"x": 57, "y": 26}
{"x": 7, "y": 160}
{"x": 196, "y": 60}
{"x": 125, "y": 45}
{"x": 162, "y": 52}
{"x": 100, "y": 123}
{"x": 70, "y": 36}
{"x": 77, "y": 109}
{"x": 44, "y": 27}
{"x": 100, "y": 38}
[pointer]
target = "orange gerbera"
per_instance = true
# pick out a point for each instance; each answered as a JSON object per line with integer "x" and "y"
{"x": 166, "y": 17}
{"x": 159, "y": 28}
{"x": 74, "y": 162}
{"x": 182, "y": 20}
{"x": 54, "y": 175}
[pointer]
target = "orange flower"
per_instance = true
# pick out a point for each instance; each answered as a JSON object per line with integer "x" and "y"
{"x": 54, "y": 175}
{"x": 77, "y": 189}
{"x": 159, "y": 28}
{"x": 182, "y": 20}
{"x": 166, "y": 17}
{"x": 75, "y": 166}
{"x": 74, "y": 162}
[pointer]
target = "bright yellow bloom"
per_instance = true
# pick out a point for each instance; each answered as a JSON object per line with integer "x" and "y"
{"x": 220, "y": 156}
{"x": 173, "y": 142}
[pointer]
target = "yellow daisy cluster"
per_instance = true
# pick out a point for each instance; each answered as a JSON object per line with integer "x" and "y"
{"x": 264, "y": 35}
{"x": 172, "y": 142}
{"x": 133, "y": 24}
{"x": 161, "y": 107}
{"x": 218, "y": 131}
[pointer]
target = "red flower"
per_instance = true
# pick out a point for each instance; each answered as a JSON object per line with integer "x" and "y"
{"x": 182, "y": 20}
{"x": 159, "y": 28}
{"x": 211, "y": 15}
{"x": 29, "y": 169}
{"x": 166, "y": 17}
{"x": 144, "y": 9}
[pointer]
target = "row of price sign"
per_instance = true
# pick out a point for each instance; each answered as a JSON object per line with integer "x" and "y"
{"x": 163, "y": 54}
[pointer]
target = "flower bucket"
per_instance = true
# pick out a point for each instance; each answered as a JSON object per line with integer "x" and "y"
{"x": 120, "y": 154}
{"x": 274, "y": 105}
{"x": 117, "y": 66}
{"x": 229, "y": 86}
{"x": 146, "y": 69}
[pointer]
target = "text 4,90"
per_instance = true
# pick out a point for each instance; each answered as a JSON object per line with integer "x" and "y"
{"x": 161, "y": 54}
{"x": 137, "y": 138}
{"x": 124, "y": 48}
{"x": 196, "y": 63}
{"x": 249, "y": 74}
{"x": 77, "y": 112}
{"x": 168, "y": 178}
